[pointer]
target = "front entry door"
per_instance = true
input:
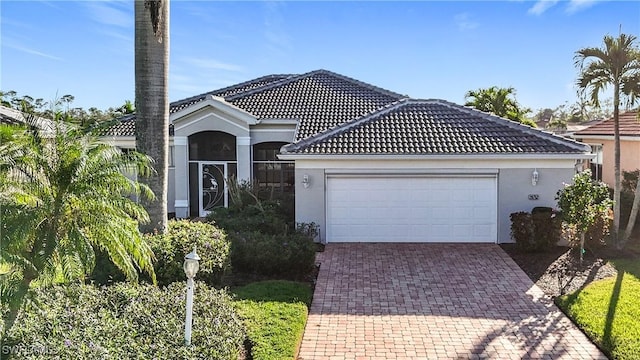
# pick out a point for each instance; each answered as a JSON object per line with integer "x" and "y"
{"x": 212, "y": 186}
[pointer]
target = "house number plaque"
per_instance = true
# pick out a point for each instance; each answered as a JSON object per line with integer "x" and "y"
{"x": 533, "y": 196}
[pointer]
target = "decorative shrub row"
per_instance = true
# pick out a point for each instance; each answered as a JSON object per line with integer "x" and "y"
{"x": 170, "y": 250}
{"x": 536, "y": 231}
{"x": 263, "y": 237}
{"x": 125, "y": 321}
{"x": 290, "y": 255}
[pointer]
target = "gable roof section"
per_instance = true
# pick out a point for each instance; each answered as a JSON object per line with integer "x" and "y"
{"x": 319, "y": 100}
{"x": 127, "y": 126}
{"x": 629, "y": 126}
{"x": 432, "y": 127}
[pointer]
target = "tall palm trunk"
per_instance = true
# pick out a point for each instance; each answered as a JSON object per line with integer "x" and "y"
{"x": 616, "y": 165}
{"x": 152, "y": 101}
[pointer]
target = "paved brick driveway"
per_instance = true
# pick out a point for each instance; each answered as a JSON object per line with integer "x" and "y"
{"x": 433, "y": 301}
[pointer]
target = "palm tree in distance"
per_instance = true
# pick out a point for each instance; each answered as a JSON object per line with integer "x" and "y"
{"x": 616, "y": 64}
{"x": 500, "y": 102}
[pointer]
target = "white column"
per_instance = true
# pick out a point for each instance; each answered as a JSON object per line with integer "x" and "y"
{"x": 181, "y": 174}
{"x": 243, "y": 153}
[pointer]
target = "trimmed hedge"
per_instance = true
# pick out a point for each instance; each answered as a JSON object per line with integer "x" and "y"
{"x": 539, "y": 231}
{"x": 290, "y": 255}
{"x": 263, "y": 238}
{"x": 170, "y": 250}
{"x": 125, "y": 321}
{"x": 182, "y": 235}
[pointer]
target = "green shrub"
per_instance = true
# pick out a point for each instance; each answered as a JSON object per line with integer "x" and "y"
{"x": 596, "y": 235}
{"x": 265, "y": 218}
{"x": 539, "y": 231}
{"x": 105, "y": 272}
{"x": 125, "y": 321}
{"x": 290, "y": 255}
{"x": 170, "y": 250}
{"x": 250, "y": 209}
{"x": 582, "y": 203}
{"x": 522, "y": 229}
{"x": 182, "y": 235}
{"x": 547, "y": 229}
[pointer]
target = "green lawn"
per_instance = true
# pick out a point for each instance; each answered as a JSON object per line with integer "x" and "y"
{"x": 275, "y": 313}
{"x": 609, "y": 311}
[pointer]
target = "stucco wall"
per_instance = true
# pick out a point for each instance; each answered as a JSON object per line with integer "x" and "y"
{"x": 629, "y": 156}
{"x": 514, "y": 183}
{"x": 514, "y": 188}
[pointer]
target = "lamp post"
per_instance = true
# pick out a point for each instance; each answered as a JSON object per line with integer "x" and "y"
{"x": 191, "y": 266}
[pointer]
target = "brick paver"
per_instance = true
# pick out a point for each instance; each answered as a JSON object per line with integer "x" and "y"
{"x": 433, "y": 301}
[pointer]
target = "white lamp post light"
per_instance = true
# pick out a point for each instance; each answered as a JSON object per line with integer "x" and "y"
{"x": 191, "y": 266}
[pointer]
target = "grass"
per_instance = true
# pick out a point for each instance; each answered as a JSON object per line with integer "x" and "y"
{"x": 274, "y": 313}
{"x": 608, "y": 311}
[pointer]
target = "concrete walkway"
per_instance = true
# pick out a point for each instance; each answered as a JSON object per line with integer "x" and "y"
{"x": 433, "y": 301}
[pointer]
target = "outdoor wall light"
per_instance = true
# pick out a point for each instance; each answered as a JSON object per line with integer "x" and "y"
{"x": 191, "y": 266}
{"x": 535, "y": 176}
{"x": 306, "y": 181}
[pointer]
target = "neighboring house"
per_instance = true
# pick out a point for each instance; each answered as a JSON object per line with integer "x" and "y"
{"x": 600, "y": 137}
{"x": 366, "y": 164}
{"x": 15, "y": 117}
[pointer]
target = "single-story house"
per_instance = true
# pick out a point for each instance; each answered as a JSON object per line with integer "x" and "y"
{"x": 366, "y": 164}
{"x": 12, "y": 116}
{"x": 600, "y": 137}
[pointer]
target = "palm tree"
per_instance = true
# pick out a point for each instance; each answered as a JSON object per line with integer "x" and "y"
{"x": 616, "y": 64}
{"x": 62, "y": 194}
{"x": 152, "y": 100}
{"x": 498, "y": 101}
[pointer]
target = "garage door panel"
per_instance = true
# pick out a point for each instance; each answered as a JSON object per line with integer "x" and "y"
{"x": 411, "y": 209}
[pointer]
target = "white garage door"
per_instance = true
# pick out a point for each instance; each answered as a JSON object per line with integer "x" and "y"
{"x": 411, "y": 209}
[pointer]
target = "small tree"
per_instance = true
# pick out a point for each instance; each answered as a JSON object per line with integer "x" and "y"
{"x": 582, "y": 203}
{"x": 62, "y": 194}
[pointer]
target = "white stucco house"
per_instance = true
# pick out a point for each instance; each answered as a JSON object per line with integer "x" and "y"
{"x": 366, "y": 164}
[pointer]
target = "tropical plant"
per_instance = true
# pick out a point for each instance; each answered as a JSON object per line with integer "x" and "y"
{"x": 500, "y": 102}
{"x": 616, "y": 64}
{"x": 62, "y": 192}
{"x": 582, "y": 203}
{"x": 152, "y": 101}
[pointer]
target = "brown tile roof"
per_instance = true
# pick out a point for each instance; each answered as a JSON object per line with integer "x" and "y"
{"x": 432, "y": 127}
{"x": 629, "y": 126}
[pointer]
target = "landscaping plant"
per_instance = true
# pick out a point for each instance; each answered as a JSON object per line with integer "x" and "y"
{"x": 125, "y": 321}
{"x": 182, "y": 235}
{"x": 582, "y": 203}
{"x": 62, "y": 193}
{"x": 263, "y": 236}
{"x": 274, "y": 313}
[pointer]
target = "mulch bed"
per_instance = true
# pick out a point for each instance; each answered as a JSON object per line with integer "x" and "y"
{"x": 558, "y": 272}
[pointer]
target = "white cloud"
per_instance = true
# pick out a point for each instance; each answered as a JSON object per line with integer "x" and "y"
{"x": 32, "y": 51}
{"x": 110, "y": 13}
{"x": 578, "y": 5}
{"x": 464, "y": 22}
{"x": 541, "y": 6}
{"x": 278, "y": 41}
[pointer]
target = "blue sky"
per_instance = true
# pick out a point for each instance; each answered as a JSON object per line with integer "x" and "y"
{"x": 424, "y": 49}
